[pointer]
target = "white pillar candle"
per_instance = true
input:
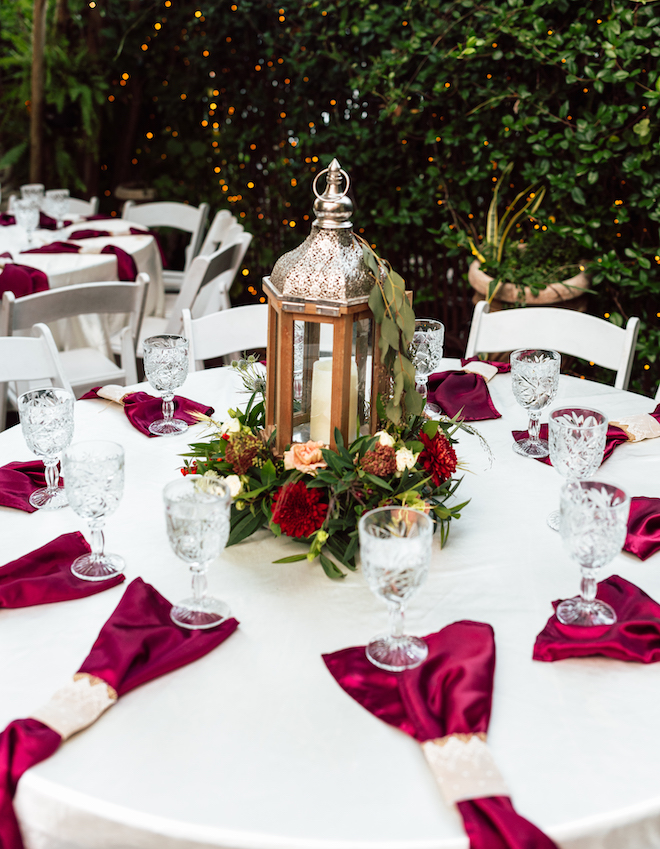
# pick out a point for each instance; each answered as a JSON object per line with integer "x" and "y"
{"x": 322, "y": 390}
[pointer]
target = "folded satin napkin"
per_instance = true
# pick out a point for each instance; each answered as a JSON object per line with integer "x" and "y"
{"x": 643, "y": 537}
{"x": 635, "y": 636}
{"x": 18, "y": 481}
{"x": 45, "y": 221}
{"x": 133, "y": 231}
{"x": 142, "y": 409}
{"x": 457, "y": 390}
{"x": 44, "y": 575}
{"x": 615, "y": 437}
{"x": 138, "y": 643}
{"x": 447, "y": 700}
{"x": 20, "y": 279}
{"x": 126, "y": 268}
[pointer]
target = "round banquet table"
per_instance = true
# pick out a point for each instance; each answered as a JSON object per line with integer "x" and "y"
{"x": 255, "y": 746}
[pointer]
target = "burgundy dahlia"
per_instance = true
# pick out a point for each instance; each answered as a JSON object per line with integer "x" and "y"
{"x": 297, "y": 510}
{"x": 438, "y": 457}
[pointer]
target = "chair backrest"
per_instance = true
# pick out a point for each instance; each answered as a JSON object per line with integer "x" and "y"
{"x": 206, "y": 285}
{"x": 217, "y": 232}
{"x": 77, "y": 206}
{"x": 224, "y": 332}
{"x": 566, "y": 331}
{"x": 181, "y": 216}
{"x": 80, "y": 299}
{"x": 29, "y": 358}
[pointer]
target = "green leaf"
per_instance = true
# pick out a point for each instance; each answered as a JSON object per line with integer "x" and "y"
{"x": 390, "y": 333}
{"x": 293, "y": 558}
{"x": 330, "y": 568}
{"x": 578, "y": 195}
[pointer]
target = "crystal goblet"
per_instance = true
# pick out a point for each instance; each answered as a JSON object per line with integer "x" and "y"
{"x": 94, "y": 482}
{"x": 197, "y": 514}
{"x": 26, "y": 212}
{"x": 395, "y": 550}
{"x": 166, "y": 368}
{"x": 57, "y": 201}
{"x": 35, "y": 192}
{"x": 426, "y": 352}
{"x": 593, "y": 525}
{"x": 576, "y": 439}
{"x": 535, "y": 380}
{"x": 47, "y": 424}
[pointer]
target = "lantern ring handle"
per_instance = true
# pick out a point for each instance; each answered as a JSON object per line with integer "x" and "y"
{"x": 325, "y": 171}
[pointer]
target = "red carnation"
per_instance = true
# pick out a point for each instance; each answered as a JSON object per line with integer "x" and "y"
{"x": 297, "y": 510}
{"x": 438, "y": 457}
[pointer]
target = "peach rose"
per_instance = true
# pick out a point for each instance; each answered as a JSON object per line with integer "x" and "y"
{"x": 305, "y": 457}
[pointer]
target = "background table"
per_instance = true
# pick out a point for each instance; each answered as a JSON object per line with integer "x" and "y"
{"x": 256, "y": 745}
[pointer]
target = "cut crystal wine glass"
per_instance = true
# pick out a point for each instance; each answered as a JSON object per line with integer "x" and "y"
{"x": 166, "y": 368}
{"x": 94, "y": 481}
{"x": 535, "y": 380}
{"x": 197, "y": 511}
{"x": 26, "y": 212}
{"x": 395, "y": 550}
{"x": 47, "y": 424}
{"x": 57, "y": 201}
{"x": 426, "y": 351}
{"x": 593, "y": 525}
{"x": 576, "y": 439}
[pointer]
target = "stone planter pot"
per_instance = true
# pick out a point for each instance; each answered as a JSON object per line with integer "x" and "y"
{"x": 510, "y": 294}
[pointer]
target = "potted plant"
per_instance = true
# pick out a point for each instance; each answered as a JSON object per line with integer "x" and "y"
{"x": 520, "y": 264}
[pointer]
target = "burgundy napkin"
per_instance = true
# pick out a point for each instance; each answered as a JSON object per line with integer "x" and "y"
{"x": 142, "y": 409}
{"x": 18, "y": 481}
{"x": 455, "y": 390}
{"x": 44, "y": 575}
{"x": 615, "y": 437}
{"x": 135, "y": 231}
{"x": 21, "y": 279}
{"x": 126, "y": 268}
{"x": 643, "y": 537}
{"x": 138, "y": 643}
{"x": 450, "y": 693}
{"x": 635, "y": 636}
{"x": 45, "y": 221}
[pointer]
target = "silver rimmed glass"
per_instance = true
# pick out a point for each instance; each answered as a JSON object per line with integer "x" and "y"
{"x": 166, "y": 368}
{"x": 94, "y": 482}
{"x": 534, "y": 380}
{"x": 57, "y": 203}
{"x": 576, "y": 439}
{"x": 395, "y": 550}
{"x": 426, "y": 351}
{"x": 47, "y": 424}
{"x": 593, "y": 525}
{"x": 197, "y": 511}
{"x": 26, "y": 212}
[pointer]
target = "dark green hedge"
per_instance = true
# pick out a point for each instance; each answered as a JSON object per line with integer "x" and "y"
{"x": 423, "y": 102}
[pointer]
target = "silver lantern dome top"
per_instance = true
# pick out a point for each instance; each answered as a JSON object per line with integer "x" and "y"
{"x": 328, "y": 266}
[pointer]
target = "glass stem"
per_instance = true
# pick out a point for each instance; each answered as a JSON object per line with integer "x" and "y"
{"x": 199, "y": 583}
{"x": 423, "y": 386}
{"x": 396, "y": 621}
{"x": 97, "y": 540}
{"x": 588, "y": 586}
{"x": 168, "y": 406}
{"x": 52, "y": 473}
{"x": 534, "y": 426}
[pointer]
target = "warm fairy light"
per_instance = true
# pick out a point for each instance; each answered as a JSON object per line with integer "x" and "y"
{"x": 257, "y": 67}
{"x": 150, "y": 135}
{"x": 282, "y": 19}
{"x": 253, "y": 147}
{"x": 215, "y": 125}
{"x": 205, "y": 53}
{"x": 294, "y": 182}
{"x": 231, "y": 110}
{"x": 217, "y": 169}
{"x": 245, "y": 272}
{"x": 183, "y": 96}
{"x": 606, "y": 314}
{"x": 404, "y": 23}
{"x": 124, "y": 76}
{"x": 447, "y": 85}
{"x": 92, "y": 5}
{"x": 198, "y": 14}
{"x": 205, "y": 123}
{"x": 494, "y": 44}
{"x": 315, "y": 159}
{"x": 157, "y": 25}
{"x": 549, "y": 32}
{"x": 485, "y": 142}
{"x": 168, "y": 3}
{"x": 250, "y": 185}
{"x": 163, "y": 156}
{"x": 174, "y": 134}
{"x": 111, "y": 98}
{"x": 234, "y": 8}
{"x": 134, "y": 161}
{"x": 280, "y": 61}
{"x": 646, "y": 367}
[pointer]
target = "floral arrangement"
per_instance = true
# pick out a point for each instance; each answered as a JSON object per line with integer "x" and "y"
{"x": 316, "y": 495}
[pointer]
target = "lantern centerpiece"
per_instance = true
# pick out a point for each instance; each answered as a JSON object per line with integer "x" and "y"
{"x": 323, "y": 363}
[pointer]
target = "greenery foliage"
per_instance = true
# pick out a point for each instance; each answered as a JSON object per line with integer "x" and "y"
{"x": 424, "y": 102}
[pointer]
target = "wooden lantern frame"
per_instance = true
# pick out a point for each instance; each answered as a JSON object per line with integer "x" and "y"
{"x": 283, "y": 311}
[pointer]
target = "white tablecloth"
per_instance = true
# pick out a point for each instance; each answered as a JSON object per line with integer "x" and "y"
{"x": 70, "y": 269}
{"x": 257, "y": 746}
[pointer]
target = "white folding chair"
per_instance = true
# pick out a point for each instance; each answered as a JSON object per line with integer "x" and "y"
{"x": 84, "y": 367}
{"x": 180, "y": 216}
{"x": 33, "y": 360}
{"x": 566, "y": 331}
{"x": 224, "y": 332}
{"x": 205, "y": 290}
{"x": 222, "y": 222}
{"x": 77, "y": 206}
